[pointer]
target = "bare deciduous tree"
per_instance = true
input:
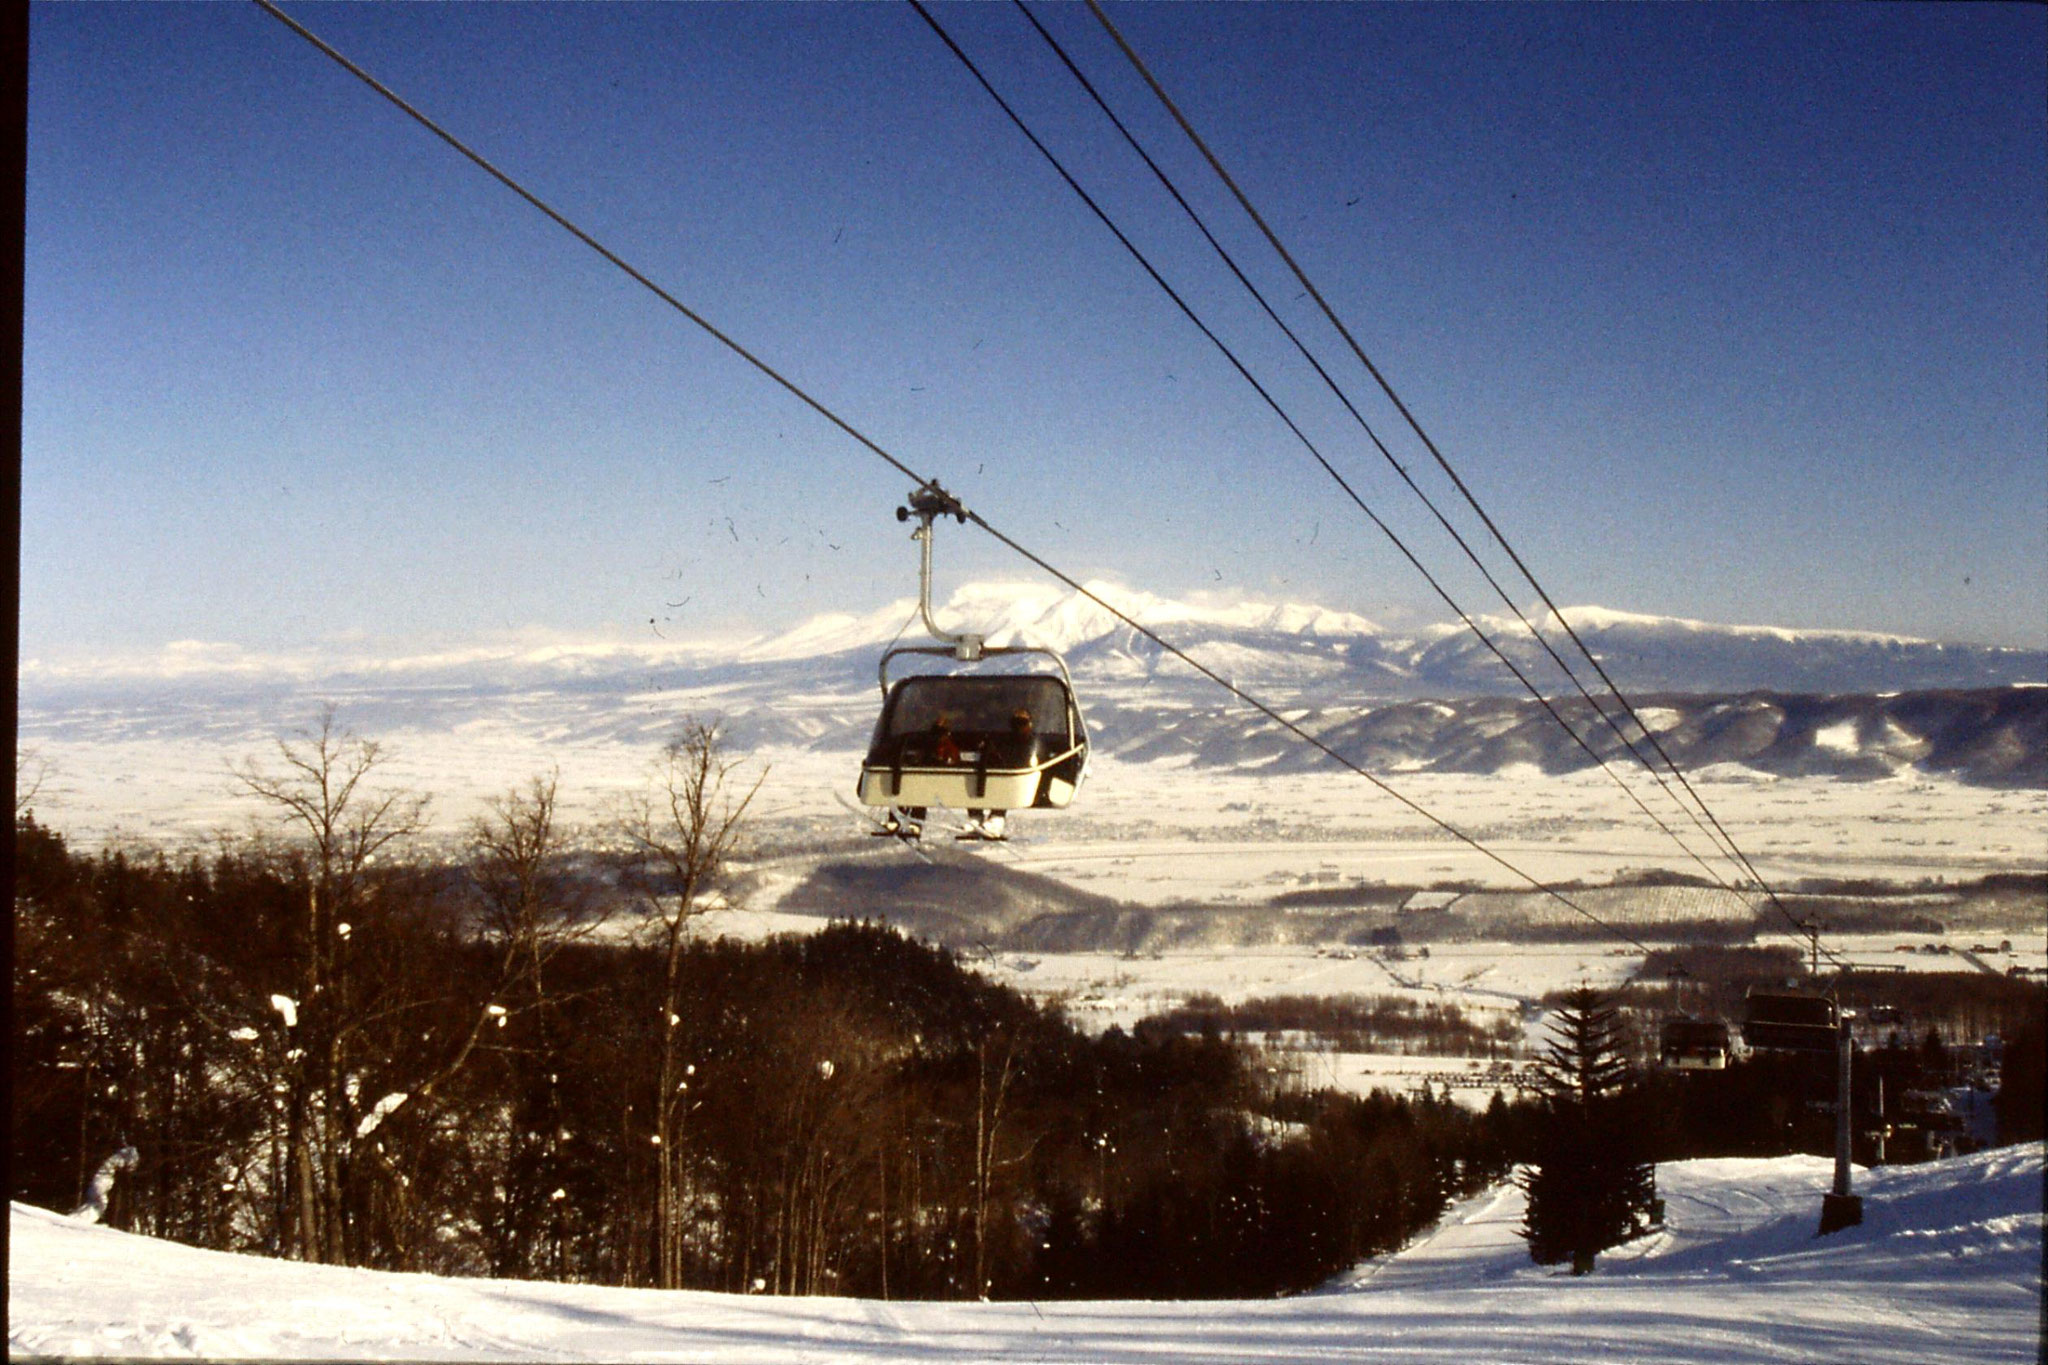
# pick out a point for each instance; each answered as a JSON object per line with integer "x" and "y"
{"x": 31, "y": 771}
{"x": 686, "y": 828}
{"x": 315, "y": 788}
{"x": 991, "y": 1096}
{"x": 529, "y": 911}
{"x": 517, "y": 853}
{"x": 530, "y": 908}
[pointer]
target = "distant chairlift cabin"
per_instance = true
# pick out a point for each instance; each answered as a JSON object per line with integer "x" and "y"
{"x": 980, "y": 741}
{"x": 1790, "y": 1021}
{"x": 1688, "y": 1043}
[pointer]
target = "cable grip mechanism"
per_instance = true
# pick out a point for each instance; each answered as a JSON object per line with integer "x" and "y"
{"x": 932, "y": 501}
{"x": 927, "y": 505}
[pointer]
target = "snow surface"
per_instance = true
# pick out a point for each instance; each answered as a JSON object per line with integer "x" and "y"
{"x": 1946, "y": 1266}
{"x": 1840, "y": 738}
{"x": 1099, "y": 989}
{"x": 1145, "y": 832}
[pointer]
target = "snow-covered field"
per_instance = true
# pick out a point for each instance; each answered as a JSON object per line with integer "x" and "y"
{"x": 1946, "y": 1267}
{"x": 1471, "y": 975}
{"x": 1101, "y": 989}
{"x": 1149, "y": 832}
{"x": 1153, "y": 834}
{"x": 1156, "y": 833}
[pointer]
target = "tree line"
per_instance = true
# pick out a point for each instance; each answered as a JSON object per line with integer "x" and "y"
{"x": 1353, "y": 1023}
{"x": 331, "y": 1043}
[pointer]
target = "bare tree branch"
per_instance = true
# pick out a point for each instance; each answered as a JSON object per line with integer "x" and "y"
{"x": 31, "y": 771}
{"x": 687, "y": 828}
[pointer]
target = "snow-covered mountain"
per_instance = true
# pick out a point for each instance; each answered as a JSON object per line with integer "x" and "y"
{"x": 1266, "y": 643}
{"x": 1259, "y": 643}
{"x": 1672, "y": 654}
{"x": 1945, "y": 1266}
{"x": 1791, "y": 701}
{"x": 1037, "y": 614}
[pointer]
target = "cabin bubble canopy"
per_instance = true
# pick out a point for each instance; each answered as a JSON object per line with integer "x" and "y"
{"x": 1790, "y": 1021}
{"x": 1686, "y": 1043}
{"x": 999, "y": 731}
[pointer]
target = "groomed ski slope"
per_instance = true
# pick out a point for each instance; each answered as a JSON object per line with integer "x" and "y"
{"x": 1946, "y": 1267}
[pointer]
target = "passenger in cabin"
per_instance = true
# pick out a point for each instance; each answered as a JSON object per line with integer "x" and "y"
{"x": 945, "y": 749}
{"x": 1018, "y": 748}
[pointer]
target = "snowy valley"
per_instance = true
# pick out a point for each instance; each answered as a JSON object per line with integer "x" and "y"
{"x": 1897, "y": 789}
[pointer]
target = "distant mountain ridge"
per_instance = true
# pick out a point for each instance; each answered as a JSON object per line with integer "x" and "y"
{"x": 1276, "y": 642}
{"x": 1847, "y": 703}
{"x": 1985, "y": 736}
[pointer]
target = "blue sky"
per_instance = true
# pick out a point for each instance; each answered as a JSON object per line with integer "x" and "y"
{"x": 1725, "y": 312}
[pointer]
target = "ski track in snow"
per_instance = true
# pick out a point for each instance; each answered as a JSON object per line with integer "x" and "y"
{"x": 1945, "y": 1267}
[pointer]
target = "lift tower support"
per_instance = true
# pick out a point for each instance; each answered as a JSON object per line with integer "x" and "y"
{"x": 1841, "y": 1209}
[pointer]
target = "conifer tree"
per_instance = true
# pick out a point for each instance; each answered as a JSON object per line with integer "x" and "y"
{"x": 1588, "y": 1190}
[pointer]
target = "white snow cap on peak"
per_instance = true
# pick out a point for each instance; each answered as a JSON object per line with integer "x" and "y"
{"x": 1062, "y": 620}
{"x": 831, "y": 633}
{"x": 1589, "y": 620}
{"x": 1607, "y": 618}
{"x": 1009, "y": 613}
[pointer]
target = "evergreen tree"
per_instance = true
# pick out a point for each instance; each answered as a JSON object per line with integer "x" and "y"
{"x": 1588, "y": 1188}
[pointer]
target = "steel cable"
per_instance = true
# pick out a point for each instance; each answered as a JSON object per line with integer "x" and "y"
{"x": 1415, "y": 425}
{"x": 1330, "y": 382}
{"x": 270, "y": 7}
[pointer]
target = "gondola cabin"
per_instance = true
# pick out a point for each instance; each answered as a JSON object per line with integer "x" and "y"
{"x": 1790, "y": 1022}
{"x": 976, "y": 742}
{"x": 1689, "y": 1044}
